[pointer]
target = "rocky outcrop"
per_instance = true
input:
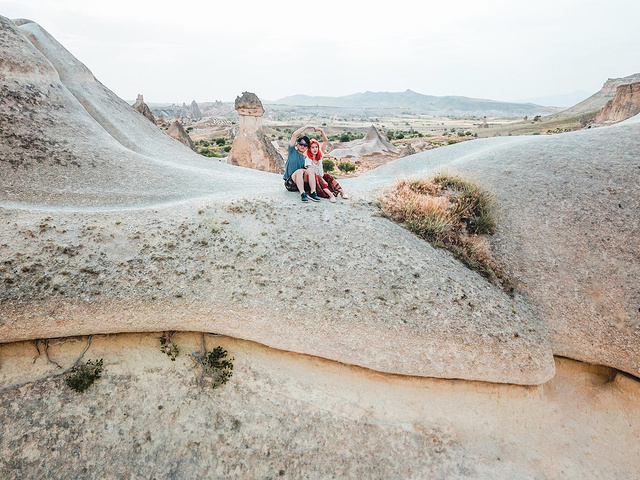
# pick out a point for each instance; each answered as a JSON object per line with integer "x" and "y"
{"x": 624, "y": 105}
{"x": 406, "y": 151}
{"x": 177, "y": 131}
{"x": 143, "y": 108}
{"x": 599, "y": 99}
{"x": 190, "y": 255}
{"x": 252, "y": 147}
{"x": 373, "y": 142}
{"x": 194, "y": 111}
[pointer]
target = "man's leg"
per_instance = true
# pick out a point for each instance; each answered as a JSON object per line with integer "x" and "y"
{"x": 298, "y": 177}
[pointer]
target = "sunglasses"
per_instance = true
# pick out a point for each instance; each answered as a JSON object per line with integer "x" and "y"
{"x": 302, "y": 144}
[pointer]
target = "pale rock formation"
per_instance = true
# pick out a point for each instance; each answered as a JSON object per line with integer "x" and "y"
{"x": 406, "y": 151}
{"x": 624, "y": 105}
{"x": 194, "y": 111}
{"x": 190, "y": 256}
{"x": 372, "y": 143}
{"x": 252, "y": 148}
{"x": 143, "y": 108}
{"x": 177, "y": 131}
{"x": 183, "y": 111}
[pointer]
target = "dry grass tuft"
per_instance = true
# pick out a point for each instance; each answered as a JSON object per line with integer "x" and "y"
{"x": 452, "y": 213}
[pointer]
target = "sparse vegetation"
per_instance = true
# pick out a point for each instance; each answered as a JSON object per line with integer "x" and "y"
{"x": 328, "y": 165}
{"x": 346, "y": 167}
{"x": 450, "y": 212}
{"x": 168, "y": 347}
{"x": 82, "y": 376}
{"x": 217, "y": 369}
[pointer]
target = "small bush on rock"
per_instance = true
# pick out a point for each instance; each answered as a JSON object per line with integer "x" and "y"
{"x": 82, "y": 376}
{"x": 450, "y": 212}
{"x": 218, "y": 368}
{"x": 168, "y": 347}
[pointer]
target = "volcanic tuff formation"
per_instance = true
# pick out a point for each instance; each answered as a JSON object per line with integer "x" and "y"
{"x": 373, "y": 142}
{"x": 111, "y": 226}
{"x": 143, "y": 108}
{"x": 252, "y": 147}
{"x": 588, "y": 303}
{"x": 177, "y": 131}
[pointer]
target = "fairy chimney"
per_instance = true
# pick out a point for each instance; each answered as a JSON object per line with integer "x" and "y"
{"x": 177, "y": 131}
{"x": 143, "y": 108}
{"x": 252, "y": 147}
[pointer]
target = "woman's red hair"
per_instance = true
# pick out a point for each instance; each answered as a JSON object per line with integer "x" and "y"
{"x": 310, "y": 155}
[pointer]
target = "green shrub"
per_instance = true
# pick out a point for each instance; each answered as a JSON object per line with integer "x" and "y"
{"x": 82, "y": 376}
{"x": 221, "y": 141}
{"x": 328, "y": 165}
{"x": 226, "y": 148}
{"x": 207, "y": 152}
{"x": 217, "y": 367}
{"x": 346, "y": 167}
{"x": 345, "y": 137}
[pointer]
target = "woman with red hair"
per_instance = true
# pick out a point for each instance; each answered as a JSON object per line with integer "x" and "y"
{"x": 328, "y": 186}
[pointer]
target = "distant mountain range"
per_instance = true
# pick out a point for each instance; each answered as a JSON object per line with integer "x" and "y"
{"x": 414, "y": 102}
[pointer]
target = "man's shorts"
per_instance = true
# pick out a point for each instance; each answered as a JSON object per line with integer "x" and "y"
{"x": 290, "y": 185}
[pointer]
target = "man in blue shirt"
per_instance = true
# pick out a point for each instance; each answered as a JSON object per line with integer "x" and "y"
{"x": 296, "y": 177}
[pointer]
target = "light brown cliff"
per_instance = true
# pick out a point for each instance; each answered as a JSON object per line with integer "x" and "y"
{"x": 624, "y": 105}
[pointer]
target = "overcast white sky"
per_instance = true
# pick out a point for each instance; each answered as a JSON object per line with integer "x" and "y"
{"x": 210, "y": 50}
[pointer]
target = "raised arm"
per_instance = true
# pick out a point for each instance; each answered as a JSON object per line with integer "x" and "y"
{"x": 294, "y": 135}
{"x": 325, "y": 140}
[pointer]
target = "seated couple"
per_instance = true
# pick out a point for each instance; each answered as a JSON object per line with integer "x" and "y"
{"x": 304, "y": 172}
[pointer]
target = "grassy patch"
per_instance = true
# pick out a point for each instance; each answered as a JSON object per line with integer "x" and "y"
{"x": 450, "y": 212}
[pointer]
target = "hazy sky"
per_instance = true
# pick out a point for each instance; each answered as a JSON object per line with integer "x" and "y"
{"x": 211, "y": 50}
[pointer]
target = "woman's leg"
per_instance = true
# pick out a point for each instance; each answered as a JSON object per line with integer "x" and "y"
{"x": 310, "y": 178}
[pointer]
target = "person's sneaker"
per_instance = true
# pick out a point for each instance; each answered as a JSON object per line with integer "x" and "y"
{"x": 303, "y": 197}
{"x": 314, "y": 196}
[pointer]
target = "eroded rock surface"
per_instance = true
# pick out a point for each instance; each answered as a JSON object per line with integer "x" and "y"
{"x": 184, "y": 255}
{"x": 293, "y": 416}
{"x": 568, "y": 229}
